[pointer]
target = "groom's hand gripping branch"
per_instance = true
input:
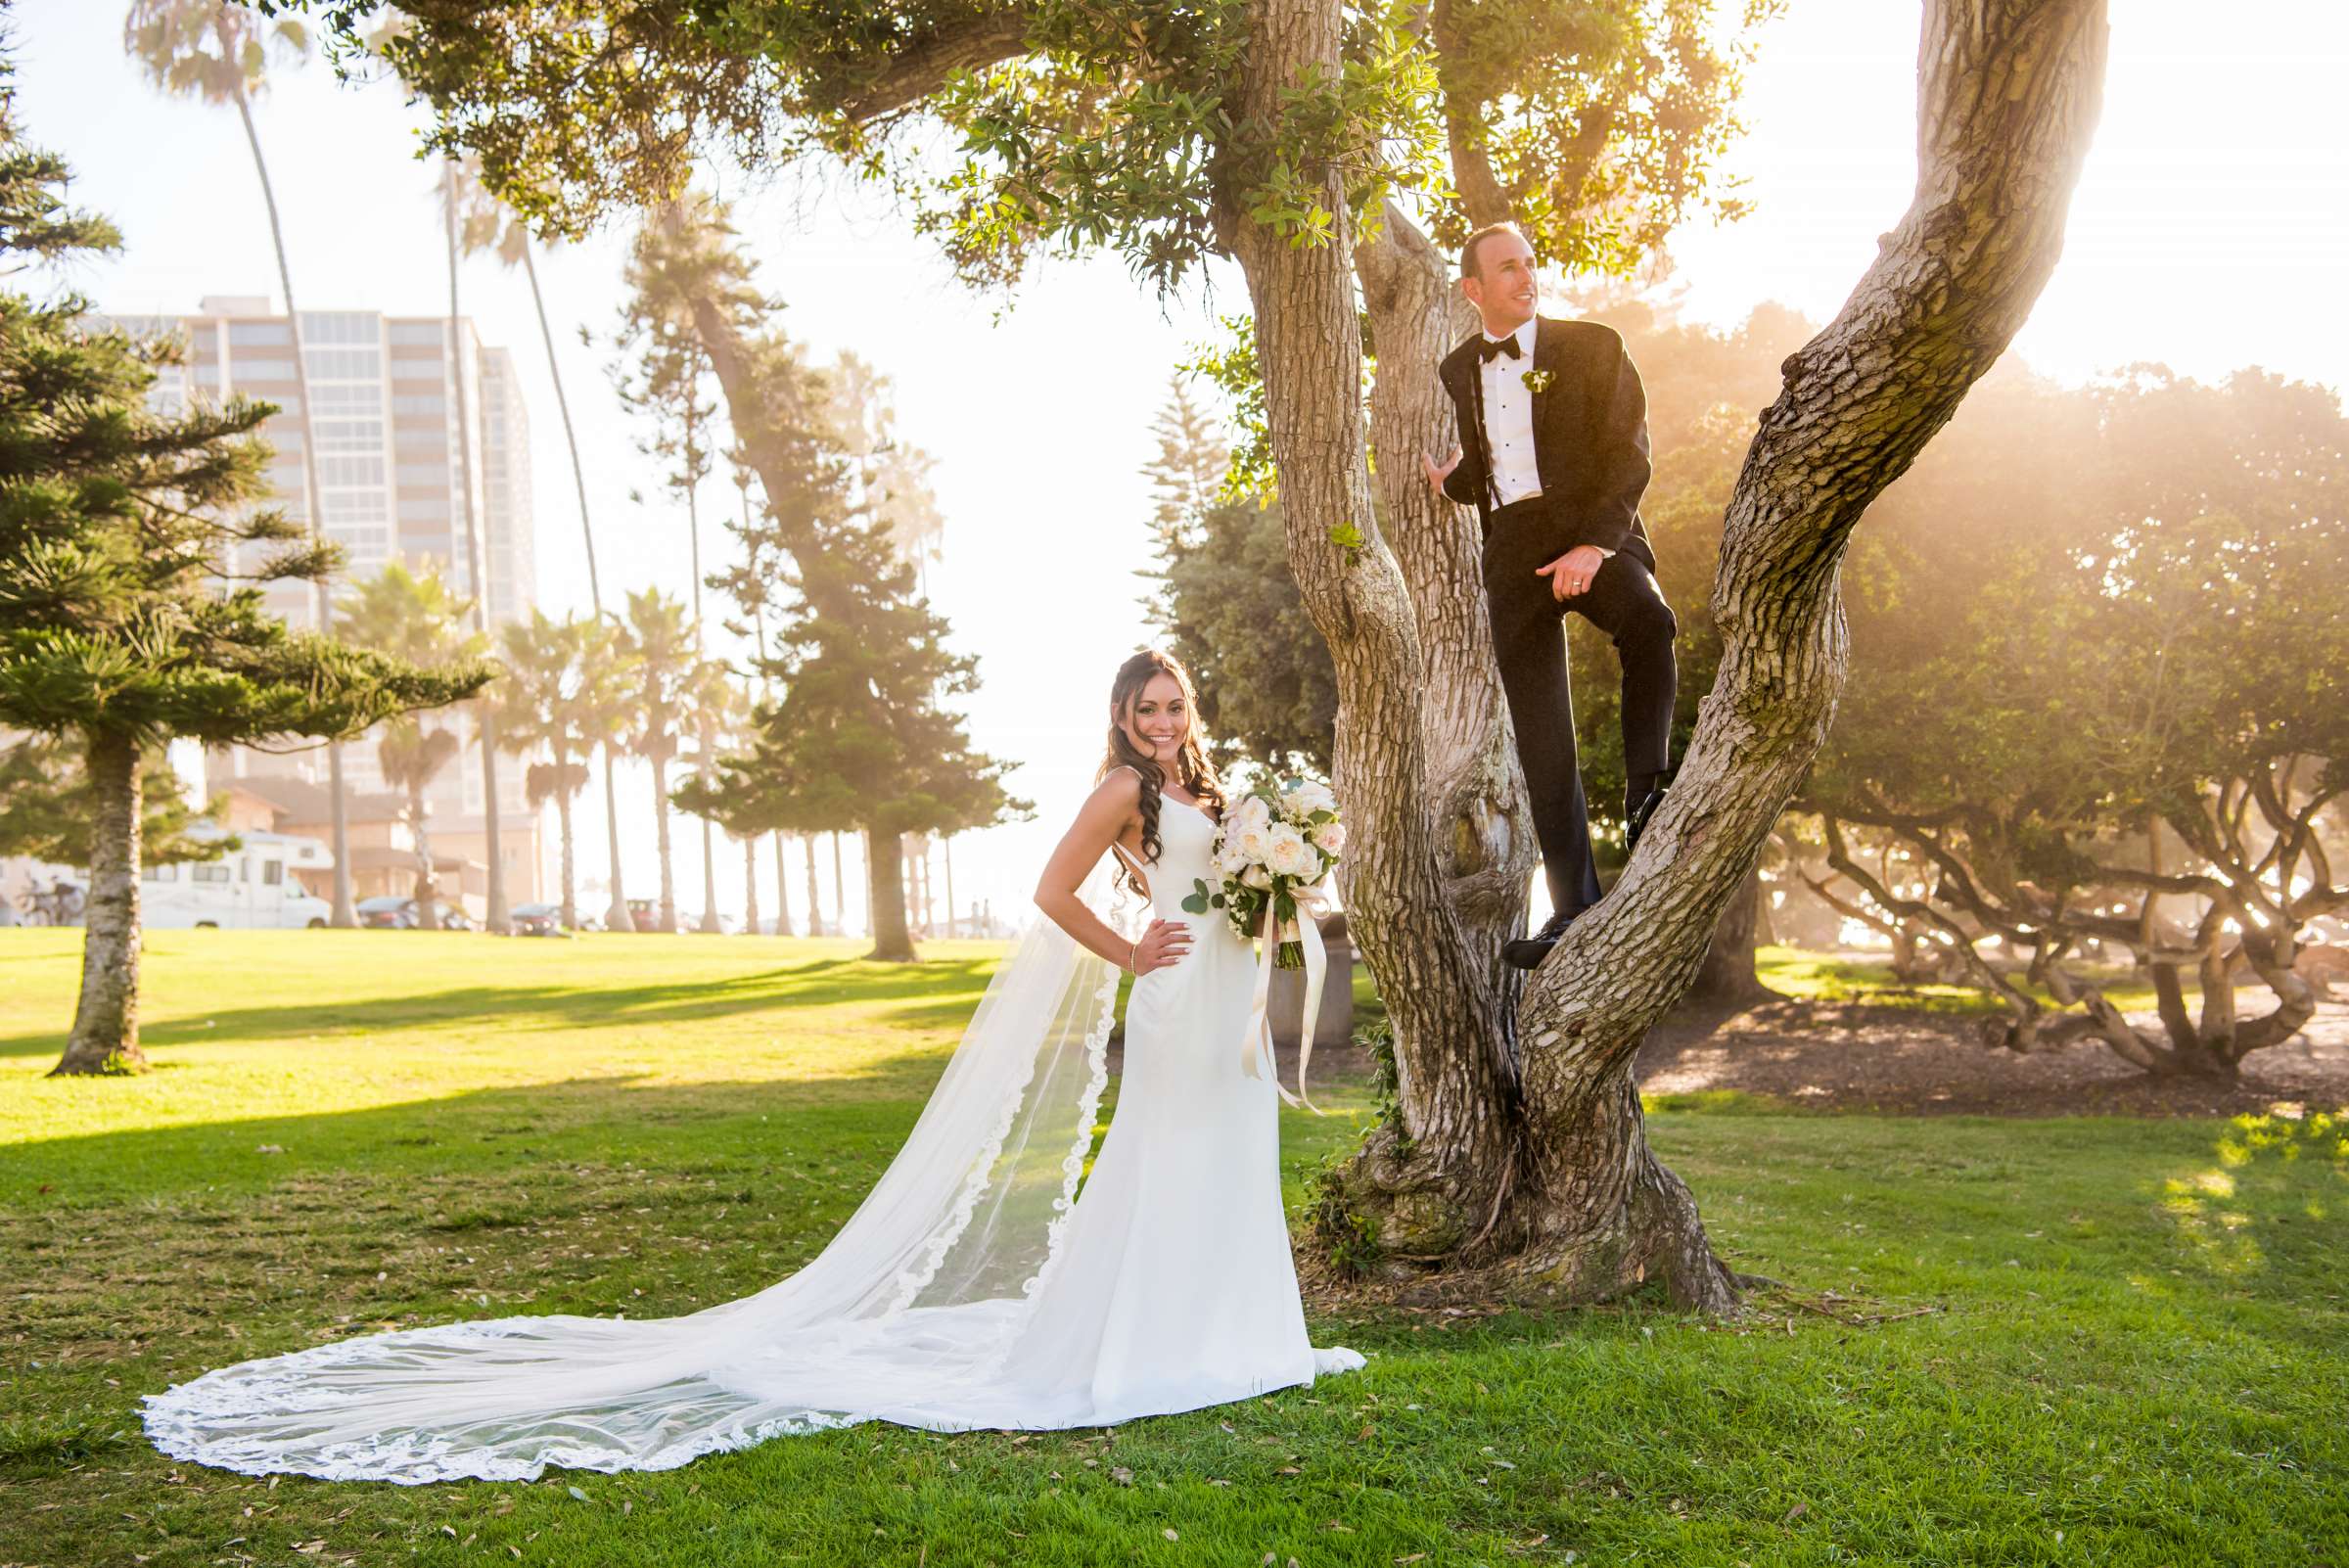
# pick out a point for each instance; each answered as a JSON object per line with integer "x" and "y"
{"x": 1435, "y": 476}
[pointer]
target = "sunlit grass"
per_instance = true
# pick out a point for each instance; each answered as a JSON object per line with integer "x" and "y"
{"x": 1840, "y": 978}
{"x": 2079, "y": 1341}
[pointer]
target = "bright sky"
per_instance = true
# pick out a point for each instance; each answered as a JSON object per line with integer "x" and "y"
{"x": 2211, "y": 231}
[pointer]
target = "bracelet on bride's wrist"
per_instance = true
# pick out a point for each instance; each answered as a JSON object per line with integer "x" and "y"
{"x": 1133, "y": 958}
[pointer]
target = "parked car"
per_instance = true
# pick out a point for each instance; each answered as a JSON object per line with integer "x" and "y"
{"x": 538, "y": 920}
{"x": 392, "y": 913}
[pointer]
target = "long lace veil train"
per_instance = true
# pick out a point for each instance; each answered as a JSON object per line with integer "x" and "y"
{"x": 921, "y": 1293}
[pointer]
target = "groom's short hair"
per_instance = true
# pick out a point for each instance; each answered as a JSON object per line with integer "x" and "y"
{"x": 1468, "y": 247}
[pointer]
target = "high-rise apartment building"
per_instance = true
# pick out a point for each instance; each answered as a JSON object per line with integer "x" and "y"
{"x": 391, "y": 459}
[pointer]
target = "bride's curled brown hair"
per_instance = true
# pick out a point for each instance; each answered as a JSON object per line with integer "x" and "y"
{"x": 1195, "y": 774}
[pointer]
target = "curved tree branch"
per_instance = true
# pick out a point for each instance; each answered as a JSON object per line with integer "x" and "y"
{"x": 2009, "y": 98}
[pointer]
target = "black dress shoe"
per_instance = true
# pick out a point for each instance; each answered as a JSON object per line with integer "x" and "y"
{"x": 1527, "y": 953}
{"x": 1639, "y": 819}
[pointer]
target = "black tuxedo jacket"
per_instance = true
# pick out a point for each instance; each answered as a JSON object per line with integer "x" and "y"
{"x": 1590, "y": 433}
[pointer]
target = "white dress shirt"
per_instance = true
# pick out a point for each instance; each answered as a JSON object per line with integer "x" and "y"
{"x": 1509, "y": 416}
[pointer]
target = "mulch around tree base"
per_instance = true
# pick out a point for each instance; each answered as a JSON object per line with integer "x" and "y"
{"x": 1854, "y": 1056}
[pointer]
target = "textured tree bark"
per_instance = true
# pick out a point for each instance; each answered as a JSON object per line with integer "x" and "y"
{"x": 106, "y": 1021}
{"x": 885, "y": 896}
{"x": 1543, "y": 1170}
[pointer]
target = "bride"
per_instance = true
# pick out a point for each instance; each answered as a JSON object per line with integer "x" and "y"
{"x": 974, "y": 1288}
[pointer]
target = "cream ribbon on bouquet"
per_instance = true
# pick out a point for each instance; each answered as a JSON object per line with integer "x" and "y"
{"x": 1257, "y": 1048}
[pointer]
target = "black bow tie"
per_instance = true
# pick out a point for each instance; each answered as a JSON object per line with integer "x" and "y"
{"x": 1488, "y": 350}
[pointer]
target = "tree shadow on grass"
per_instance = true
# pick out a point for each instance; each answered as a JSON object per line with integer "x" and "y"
{"x": 592, "y": 1120}
{"x": 949, "y": 990}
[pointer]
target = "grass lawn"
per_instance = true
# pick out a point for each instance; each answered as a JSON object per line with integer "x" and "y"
{"x": 1840, "y": 978}
{"x": 2095, "y": 1342}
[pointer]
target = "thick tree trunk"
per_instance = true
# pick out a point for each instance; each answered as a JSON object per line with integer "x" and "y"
{"x": 885, "y": 896}
{"x": 1727, "y": 978}
{"x": 106, "y": 1021}
{"x": 1537, "y": 1160}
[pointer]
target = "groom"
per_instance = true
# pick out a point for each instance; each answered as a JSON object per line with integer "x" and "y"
{"x": 1554, "y": 429}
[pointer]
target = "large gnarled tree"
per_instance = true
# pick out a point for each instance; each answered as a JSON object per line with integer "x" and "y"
{"x": 1299, "y": 137}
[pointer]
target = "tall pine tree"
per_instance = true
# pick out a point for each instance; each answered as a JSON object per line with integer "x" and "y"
{"x": 129, "y": 550}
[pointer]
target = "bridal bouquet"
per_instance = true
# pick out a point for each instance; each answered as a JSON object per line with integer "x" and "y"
{"x": 1275, "y": 848}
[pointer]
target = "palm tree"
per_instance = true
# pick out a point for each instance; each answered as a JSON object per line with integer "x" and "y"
{"x": 496, "y": 917}
{"x": 414, "y": 618}
{"x": 487, "y": 224}
{"x": 661, "y": 646}
{"x": 218, "y": 54}
{"x": 561, "y": 693}
{"x": 558, "y": 782}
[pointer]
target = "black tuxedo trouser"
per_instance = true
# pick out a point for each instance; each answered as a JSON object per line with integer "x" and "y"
{"x": 1528, "y": 641}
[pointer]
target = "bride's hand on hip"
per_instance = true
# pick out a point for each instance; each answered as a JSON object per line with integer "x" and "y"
{"x": 1162, "y": 945}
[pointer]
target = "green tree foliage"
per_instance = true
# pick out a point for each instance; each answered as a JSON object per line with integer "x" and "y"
{"x": 1089, "y": 127}
{"x": 863, "y": 737}
{"x": 46, "y": 808}
{"x": 2101, "y": 702}
{"x": 129, "y": 547}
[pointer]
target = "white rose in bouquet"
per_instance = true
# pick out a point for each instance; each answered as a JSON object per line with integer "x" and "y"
{"x": 1331, "y": 838}
{"x": 1290, "y": 856}
{"x": 1306, "y": 797}
{"x": 1256, "y": 877}
{"x": 1253, "y": 810}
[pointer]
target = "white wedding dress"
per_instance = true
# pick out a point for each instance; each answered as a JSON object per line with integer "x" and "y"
{"x": 971, "y": 1289}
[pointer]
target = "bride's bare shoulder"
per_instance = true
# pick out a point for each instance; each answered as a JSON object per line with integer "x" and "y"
{"x": 1120, "y": 791}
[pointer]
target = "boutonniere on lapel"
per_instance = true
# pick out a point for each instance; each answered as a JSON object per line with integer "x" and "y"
{"x": 1536, "y": 381}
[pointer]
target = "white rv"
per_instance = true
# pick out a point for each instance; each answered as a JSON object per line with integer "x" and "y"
{"x": 253, "y": 888}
